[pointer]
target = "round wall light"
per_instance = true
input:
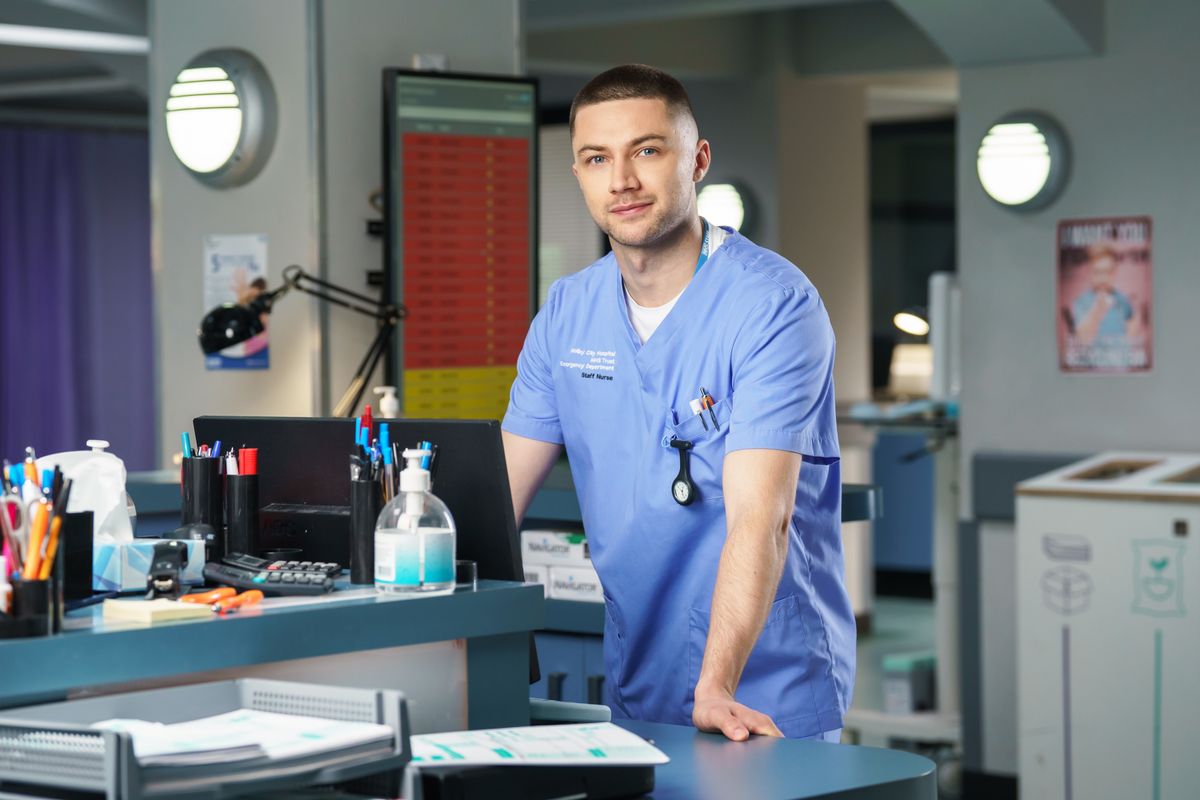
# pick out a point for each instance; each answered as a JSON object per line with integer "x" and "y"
{"x": 726, "y": 204}
{"x": 1023, "y": 161}
{"x": 221, "y": 117}
{"x": 913, "y": 321}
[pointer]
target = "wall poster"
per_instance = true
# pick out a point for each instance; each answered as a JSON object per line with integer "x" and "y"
{"x": 235, "y": 271}
{"x": 1105, "y": 296}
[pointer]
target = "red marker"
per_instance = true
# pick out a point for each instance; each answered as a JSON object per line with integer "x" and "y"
{"x": 366, "y": 418}
{"x": 248, "y": 461}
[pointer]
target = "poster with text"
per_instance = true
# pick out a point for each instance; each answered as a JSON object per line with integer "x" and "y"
{"x": 235, "y": 271}
{"x": 1105, "y": 297}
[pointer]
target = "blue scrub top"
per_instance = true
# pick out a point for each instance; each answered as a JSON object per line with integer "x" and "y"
{"x": 751, "y": 330}
{"x": 1112, "y": 324}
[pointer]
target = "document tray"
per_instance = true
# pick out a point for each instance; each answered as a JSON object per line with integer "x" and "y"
{"x": 51, "y": 750}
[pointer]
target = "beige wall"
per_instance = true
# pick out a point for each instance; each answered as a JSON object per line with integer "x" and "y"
{"x": 278, "y": 202}
{"x": 325, "y": 58}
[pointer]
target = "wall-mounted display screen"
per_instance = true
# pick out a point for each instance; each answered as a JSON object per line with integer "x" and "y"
{"x": 460, "y": 156}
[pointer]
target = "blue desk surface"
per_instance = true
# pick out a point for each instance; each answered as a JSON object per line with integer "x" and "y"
{"x": 91, "y": 652}
{"x": 705, "y": 765}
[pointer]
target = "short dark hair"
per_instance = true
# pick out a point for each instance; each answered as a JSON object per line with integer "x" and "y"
{"x": 633, "y": 81}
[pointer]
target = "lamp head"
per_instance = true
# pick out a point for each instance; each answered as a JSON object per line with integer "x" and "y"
{"x": 227, "y": 325}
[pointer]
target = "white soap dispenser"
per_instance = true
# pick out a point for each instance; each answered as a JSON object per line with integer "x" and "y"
{"x": 415, "y": 537}
{"x": 389, "y": 404}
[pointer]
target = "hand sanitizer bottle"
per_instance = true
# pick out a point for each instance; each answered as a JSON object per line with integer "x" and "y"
{"x": 414, "y": 537}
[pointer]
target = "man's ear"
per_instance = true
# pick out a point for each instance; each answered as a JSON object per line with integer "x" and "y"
{"x": 703, "y": 159}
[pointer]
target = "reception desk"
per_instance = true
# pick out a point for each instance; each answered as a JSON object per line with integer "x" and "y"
{"x": 462, "y": 659}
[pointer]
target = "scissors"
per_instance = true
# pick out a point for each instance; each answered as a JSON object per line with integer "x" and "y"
{"x": 14, "y": 524}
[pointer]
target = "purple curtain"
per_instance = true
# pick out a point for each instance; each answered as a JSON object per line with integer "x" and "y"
{"x": 76, "y": 314}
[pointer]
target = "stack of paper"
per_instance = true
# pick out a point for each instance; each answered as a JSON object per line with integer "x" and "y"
{"x": 240, "y": 735}
{"x": 149, "y": 612}
{"x": 596, "y": 744}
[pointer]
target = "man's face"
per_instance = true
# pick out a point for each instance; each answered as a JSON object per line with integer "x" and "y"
{"x": 1104, "y": 268}
{"x": 637, "y": 165}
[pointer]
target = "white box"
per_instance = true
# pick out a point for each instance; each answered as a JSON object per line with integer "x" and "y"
{"x": 575, "y": 583}
{"x": 536, "y": 573}
{"x": 1108, "y": 585}
{"x": 554, "y": 548}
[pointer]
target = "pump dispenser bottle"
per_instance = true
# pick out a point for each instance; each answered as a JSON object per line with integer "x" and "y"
{"x": 415, "y": 537}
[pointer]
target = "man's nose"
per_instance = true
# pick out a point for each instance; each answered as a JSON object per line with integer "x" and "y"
{"x": 623, "y": 177}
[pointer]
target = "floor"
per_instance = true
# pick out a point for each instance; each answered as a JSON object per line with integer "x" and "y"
{"x": 898, "y": 625}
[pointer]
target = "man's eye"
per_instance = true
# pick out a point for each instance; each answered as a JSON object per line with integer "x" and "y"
{"x": 595, "y": 159}
{"x": 648, "y": 151}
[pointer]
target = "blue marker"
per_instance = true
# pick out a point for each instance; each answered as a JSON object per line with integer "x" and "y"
{"x": 425, "y": 461}
{"x": 16, "y": 476}
{"x": 357, "y": 430}
{"x": 186, "y": 441}
{"x": 47, "y": 480}
{"x": 216, "y": 451}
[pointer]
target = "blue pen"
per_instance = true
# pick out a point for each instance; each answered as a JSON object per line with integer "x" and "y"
{"x": 216, "y": 451}
{"x": 186, "y": 441}
{"x": 357, "y": 430}
{"x": 47, "y": 480}
{"x": 16, "y": 476}
{"x": 425, "y": 460}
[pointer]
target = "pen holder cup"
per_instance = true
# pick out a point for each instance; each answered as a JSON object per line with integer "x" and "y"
{"x": 365, "y": 502}
{"x": 76, "y": 547}
{"x": 241, "y": 514}
{"x": 203, "y": 500}
{"x": 36, "y": 610}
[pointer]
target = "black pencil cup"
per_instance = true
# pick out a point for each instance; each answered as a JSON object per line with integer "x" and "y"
{"x": 241, "y": 514}
{"x": 36, "y": 610}
{"x": 76, "y": 547}
{"x": 204, "y": 498}
{"x": 365, "y": 502}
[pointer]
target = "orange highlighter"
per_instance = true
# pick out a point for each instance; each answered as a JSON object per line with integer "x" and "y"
{"x": 208, "y": 598}
{"x": 247, "y": 598}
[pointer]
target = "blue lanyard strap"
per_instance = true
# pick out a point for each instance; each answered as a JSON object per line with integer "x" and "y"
{"x": 703, "y": 248}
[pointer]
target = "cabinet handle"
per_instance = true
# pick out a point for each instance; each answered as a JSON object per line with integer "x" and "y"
{"x": 554, "y": 685}
{"x": 595, "y": 689}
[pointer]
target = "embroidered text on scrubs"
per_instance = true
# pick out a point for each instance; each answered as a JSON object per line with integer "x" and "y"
{"x": 598, "y": 362}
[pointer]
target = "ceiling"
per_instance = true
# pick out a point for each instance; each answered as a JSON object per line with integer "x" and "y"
{"x": 905, "y": 50}
{"x": 62, "y": 60}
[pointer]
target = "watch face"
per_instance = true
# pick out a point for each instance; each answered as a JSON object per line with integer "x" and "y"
{"x": 682, "y": 491}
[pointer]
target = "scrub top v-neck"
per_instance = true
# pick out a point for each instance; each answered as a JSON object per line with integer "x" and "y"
{"x": 751, "y": 330}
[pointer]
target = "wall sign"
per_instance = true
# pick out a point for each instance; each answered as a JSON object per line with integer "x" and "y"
{"x": 1105, "y": 297}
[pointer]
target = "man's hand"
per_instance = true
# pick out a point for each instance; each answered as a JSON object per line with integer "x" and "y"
{"x": 718, "y": 712}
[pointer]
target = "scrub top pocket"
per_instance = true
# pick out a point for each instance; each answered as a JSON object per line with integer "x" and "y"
{"x": 707, "y": 456}
{"x": 779, "y": 673}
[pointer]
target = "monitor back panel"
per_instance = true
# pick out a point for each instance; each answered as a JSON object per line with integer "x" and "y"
{"x": 304, "y": 483}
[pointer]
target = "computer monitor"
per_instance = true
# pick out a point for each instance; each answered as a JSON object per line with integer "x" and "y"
{"x": 460, "y": 235}
{"x": 304, "y": 483}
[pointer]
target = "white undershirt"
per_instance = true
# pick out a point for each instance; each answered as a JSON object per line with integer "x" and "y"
{"x": 646, "y": 319}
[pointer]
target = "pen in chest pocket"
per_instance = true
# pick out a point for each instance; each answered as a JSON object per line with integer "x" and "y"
{"x": 706, "y": 401}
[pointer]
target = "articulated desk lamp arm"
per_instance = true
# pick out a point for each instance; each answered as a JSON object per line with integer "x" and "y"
{"x": 232, "y": 324}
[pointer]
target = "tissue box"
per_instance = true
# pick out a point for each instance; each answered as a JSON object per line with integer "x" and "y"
{"x": 536, "y": 573}
{"x": 554, "y": 548}
{"x": 575, "y": 583}
{"x": 124, "y": 567}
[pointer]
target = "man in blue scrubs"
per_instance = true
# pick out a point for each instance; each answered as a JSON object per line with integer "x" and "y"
{"x": 716, "y": 534}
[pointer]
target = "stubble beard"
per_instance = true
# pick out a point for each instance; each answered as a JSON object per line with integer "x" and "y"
{"x": 659, "y": 229}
